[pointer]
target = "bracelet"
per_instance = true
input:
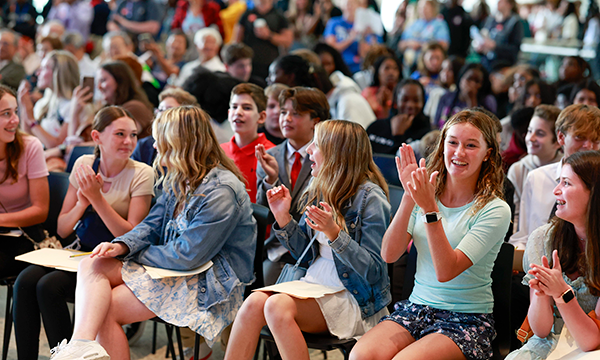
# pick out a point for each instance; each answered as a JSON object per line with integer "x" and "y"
{"x": 33, "y": 124}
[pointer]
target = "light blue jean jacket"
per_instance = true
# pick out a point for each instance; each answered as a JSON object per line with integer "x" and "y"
{"x": 220, "y": 227}
{"x": 357, "y": 253}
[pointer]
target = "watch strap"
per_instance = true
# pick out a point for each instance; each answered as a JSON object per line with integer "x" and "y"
{"x": 565, "y": 297}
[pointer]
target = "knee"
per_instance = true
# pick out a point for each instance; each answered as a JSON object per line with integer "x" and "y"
{"x": 360, "y": 352}
{"x": 279, "y": 309}
{"x": 89, "y": 267}
{"x": 253, "y": 307}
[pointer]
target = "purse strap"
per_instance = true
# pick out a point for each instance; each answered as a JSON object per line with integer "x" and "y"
{"x": 525, "y": 332}
{"x": 297, "y": 265}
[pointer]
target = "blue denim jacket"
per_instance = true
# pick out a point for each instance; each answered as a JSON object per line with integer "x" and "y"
{"x": 357, "y": 253}
{"x": 220, "y": 228}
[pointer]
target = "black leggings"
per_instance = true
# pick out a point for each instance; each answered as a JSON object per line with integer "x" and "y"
{"x": 46, "y": 291}
{"x": 14, "y": 246}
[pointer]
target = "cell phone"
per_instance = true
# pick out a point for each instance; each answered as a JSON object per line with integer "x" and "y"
{"x": 88, "y": 82}
{"x": 32, "y": 80}
{"x": 145, "y": 38}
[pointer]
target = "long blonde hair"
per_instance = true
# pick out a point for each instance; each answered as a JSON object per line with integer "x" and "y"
{"x": 65, "y": 78}
{"x": 347, "y": 164}
{"x": 491, "y": 177}
{"x": 187, "y": 146}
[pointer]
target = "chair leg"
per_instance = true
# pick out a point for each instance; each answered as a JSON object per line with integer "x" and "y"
{"x": 154, "y": 337}
{"x": 170, "y": 347}
{"x": 179, "y": 342}
{"x": 7, "y": 321}
{"x": 197, "y": 347}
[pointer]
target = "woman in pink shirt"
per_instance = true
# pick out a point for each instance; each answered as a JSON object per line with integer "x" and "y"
{"x": 24, "y": 194}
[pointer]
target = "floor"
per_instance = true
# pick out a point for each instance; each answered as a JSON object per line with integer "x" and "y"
{"x": 141, "y": 350}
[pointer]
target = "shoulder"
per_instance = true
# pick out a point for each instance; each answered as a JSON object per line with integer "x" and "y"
{"x": 139, "y": 167}
{"x": 32, "y": 143}
{"x": 544, "y": 171}
{"x": 277, "y": 149}
{"x": 496, "y": 206}
{"x": 220, "y": 179}
{"x": 380, "y": 125}
{"x": 84, "y": 160}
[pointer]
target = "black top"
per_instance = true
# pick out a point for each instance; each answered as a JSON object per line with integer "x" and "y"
{"x": 271, "y": 138}
{"x": 382, "y": 140}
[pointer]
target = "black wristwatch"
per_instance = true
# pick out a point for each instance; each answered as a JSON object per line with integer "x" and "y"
{"x": 565, "y": 297}
{"x": 431, "y": 217}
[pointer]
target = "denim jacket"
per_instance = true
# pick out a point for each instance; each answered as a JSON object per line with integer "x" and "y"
{"x": 220, "y": 227}
{"x": 357, "y": 253}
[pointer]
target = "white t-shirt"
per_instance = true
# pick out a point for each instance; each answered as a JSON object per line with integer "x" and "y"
{"x": 136, "y": 179}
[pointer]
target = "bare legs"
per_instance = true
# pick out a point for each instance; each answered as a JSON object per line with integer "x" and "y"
{"x": 103, "y": 303}
{"x": 389, "y": 340}
{"x": 286, "y": 316}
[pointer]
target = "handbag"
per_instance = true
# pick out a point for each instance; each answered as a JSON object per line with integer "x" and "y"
{"x": 295, "y": 272}
{"x": 90, "y": 229}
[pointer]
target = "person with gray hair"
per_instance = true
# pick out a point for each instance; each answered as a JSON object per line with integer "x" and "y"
{"x": 116, "y": 43}
{"x": 208, "y": 41}
{"x": 11, "y": 73}
{"x": 74, "y": 43}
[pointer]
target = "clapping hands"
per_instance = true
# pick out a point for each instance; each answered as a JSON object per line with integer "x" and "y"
{"x": 322, "y": 220}
{"x": 548, "y": 281}
{"x": 415, "y": 180}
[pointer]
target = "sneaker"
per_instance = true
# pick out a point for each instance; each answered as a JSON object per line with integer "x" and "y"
{"x": 79, "y": 350}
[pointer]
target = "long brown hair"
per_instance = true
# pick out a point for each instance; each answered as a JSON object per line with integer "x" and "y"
{"x": 187, "y": 146}
{"x": 14, "y": 149}
{"x": 104, "y": 117}
{"x": 347, "y": 164}
{"x": 586, "y": 164}
{"x": 128, "y": 87}
{"x": 491, "y": 177}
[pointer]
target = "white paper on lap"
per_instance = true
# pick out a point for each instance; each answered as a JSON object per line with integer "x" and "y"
{"x": 303, "y": 290}
{"x": 567, "y": 349}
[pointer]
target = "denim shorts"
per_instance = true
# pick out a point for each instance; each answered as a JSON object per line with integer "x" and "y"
{"x": 473, "y": 333}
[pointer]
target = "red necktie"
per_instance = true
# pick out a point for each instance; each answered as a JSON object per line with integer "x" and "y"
{"x": 296, "y": 168}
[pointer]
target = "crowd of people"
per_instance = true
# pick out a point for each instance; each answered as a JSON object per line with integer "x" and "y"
{"x": 214, "y": 106}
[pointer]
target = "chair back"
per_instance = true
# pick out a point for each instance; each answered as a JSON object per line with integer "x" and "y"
{"x": 387, "y": 164}
{"x": 396, "y": 193}
{"x": 263, "y": 220}
{"x": 59, "y": 184}
{"x": 76, "y": 153}
{"x": 501, "y": 286}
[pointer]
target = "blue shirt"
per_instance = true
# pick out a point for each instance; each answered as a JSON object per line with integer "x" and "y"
{"x": 479, "y": 236}
{"x": 340, "y": 28}
{"x": 424, "y": 31}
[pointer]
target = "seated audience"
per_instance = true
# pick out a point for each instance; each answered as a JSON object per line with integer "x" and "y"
{"x": 573, "y": 69}
{"x": 75, "y": 44}
{"x": 173, "y": 97}
{"x": 168, "y": 65}
{"x": 119, "y": 190}
{"x": 204, "y": 215}
{"x": 292, "y": 70}
{"x": 136, "y": 17}
{"x": 364, "y": 77}
{"x": 519, "y": 121}
{"x": 331, "y": 59}
{"x": 230, "y": 16}
{"x": 288, "y": 163}
{"x": 537, "y": 92}
{"x": 24, "y": 194}
{"x": 264, "y": 29}
{"x": 448, "y": 76}
{"x": 453, "y": 212}
{"x": 577, "y": 129}
{"x": 50, "y": 117}
{"x": 75, "y": 15}
{"x": 246, "y": 113}
{"x": 379, "y": 94}
{"x": 473, "y": 91}
{"x": 349, "y": 243}
{"x": 345, "y": 100}
{"x": 191, "y": 16}
{"x": 340, "y": 34}
{"x": 11, "y": 73}
{"x": 428, "y": 27}
{"x": 208, "y": 41}
{"x": 407, "y": 122}
{"x": 586, "y": 92}
{"x": 502, "y": 35}
{"x": 429, "y": 65}
{"x": 116, "y": 43}
{"x": 542, "y": 149}
{"x": 118, "y": 85}
{"x": 20, "y": 16}
{"x": 238, "y": 62}
{"x": 271, "y": 128}
{"x": 562, "y": 294}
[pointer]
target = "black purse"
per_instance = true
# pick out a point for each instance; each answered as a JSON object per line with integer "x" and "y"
{"x": 90, "y": 229}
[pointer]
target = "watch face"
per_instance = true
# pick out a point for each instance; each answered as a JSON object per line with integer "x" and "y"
{"x": 568, "y": 296}
{"x": 431, "y": 218}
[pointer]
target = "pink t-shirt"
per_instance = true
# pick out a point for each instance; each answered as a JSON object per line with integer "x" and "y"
{"x": 32, "y": 165}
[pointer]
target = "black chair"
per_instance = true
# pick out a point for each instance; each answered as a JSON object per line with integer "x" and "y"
{"x": 501, "y": 286}
{"x": 396, "y": 193}
{"x": 387, "y": 165}
{"x": 76, "y": 153}
{"x": 59, "y": 184}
